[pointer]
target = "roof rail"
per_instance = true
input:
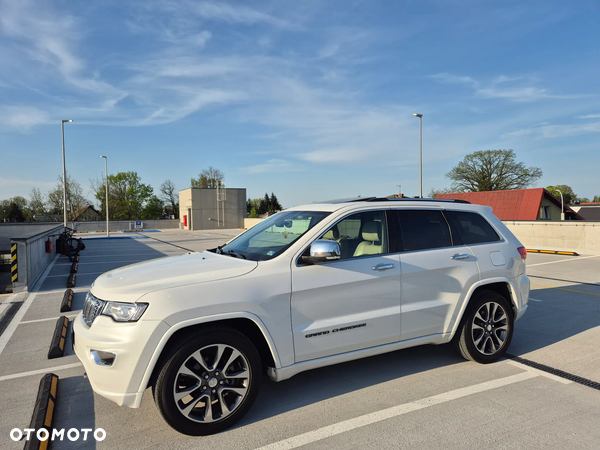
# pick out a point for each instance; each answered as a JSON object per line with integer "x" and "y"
{"x": 408, "y": 199}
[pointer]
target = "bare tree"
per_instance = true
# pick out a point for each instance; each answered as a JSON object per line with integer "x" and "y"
{"x": 170, "y": 196}
{"x": 208, "y": 178}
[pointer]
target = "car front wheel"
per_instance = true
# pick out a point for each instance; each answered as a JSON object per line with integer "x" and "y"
{"x": 209, "y": 382}
{"x": 486, "y": 330}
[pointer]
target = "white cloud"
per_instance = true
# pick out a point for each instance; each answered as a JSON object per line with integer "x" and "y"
{"x": 557, "y": 131}
{"x": 590, "y": 116}
{"x": 448, "y": 78}
{"x": 238, "y": 14}
{"x": 496, "y": 88}
{"x": 22, "y": 118}
{"x": 272, "y": 166}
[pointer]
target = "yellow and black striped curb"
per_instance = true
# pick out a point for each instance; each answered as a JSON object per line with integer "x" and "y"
{"x": 74, "y": 267}
{"x": 71, "y": 281}
{"x": 552, "y": 252}
{"x": 57, "y": 345}
{"x": 14, "y": 273}
{"x": 67, "y": 301}
{"x": 43, "y": 412}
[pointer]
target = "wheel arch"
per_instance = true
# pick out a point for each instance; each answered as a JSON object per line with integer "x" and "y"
{"x": 247, "y": 324}
{"x": 501, "y": 286}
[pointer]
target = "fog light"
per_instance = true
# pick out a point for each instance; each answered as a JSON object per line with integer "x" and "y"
{"x": 103, "y": 358}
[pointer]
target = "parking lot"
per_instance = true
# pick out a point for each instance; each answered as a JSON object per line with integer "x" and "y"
{"x": 547, "y": 396}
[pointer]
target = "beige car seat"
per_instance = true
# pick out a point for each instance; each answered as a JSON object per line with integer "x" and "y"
{"x": 371, "y": 244}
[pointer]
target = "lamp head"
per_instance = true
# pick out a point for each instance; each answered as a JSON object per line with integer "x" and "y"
{"x": 418, "y": 115}
{"x": 66, "y": 120}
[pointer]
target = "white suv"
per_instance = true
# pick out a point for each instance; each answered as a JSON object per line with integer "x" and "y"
{"x": 311, "y": 286}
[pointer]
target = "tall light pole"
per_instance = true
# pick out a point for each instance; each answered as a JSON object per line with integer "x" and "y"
{"x": 420, "y": 116}
{"x": 106, "y": 198}
{"x": 562, "y": 206}
{"x": 62, "y": 129}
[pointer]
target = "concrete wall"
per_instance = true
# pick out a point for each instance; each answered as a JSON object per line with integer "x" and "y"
{"x": 32, "y": 258}
{"x": 200, "y": 207}
{"x": 122, "y": 225}
{"x": 13, "y": 230}
{"x": 569, "y": 235}
{"x": 249, "y": 223}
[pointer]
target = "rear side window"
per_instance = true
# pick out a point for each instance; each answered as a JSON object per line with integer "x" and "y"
{"x": 472, "y": 228}
{"x": 423, "y": 229}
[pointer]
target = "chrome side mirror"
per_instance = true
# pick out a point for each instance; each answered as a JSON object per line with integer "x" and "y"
{"x": 323, "y": 250}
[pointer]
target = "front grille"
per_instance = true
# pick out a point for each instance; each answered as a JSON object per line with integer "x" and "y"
{"x": 91, "y": 308}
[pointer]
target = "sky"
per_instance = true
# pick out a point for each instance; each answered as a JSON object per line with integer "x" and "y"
{"x": 311, "y": 100}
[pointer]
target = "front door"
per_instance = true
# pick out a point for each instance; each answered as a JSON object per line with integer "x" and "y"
{"x": 352, "y": 303}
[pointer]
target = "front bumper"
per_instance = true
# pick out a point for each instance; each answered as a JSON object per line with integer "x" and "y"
{"x": 132, "y": 343}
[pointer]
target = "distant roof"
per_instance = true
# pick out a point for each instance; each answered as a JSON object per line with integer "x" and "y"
{"x": 518, "y": 204}
{"x": 590, "y": 211}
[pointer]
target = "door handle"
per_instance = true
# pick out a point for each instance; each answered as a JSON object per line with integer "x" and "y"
{"x": 384, "y": 266}
{"x": 463, "y": 256}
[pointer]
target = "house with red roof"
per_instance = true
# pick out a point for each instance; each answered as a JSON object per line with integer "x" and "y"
{"x": 519, "y": 204}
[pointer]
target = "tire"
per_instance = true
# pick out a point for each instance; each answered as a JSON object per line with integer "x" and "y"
{"x": 486, "y": 329}
{"x": 208, "y": 382}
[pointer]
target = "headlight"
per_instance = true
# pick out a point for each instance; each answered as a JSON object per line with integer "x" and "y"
{"x": 124, "y": 312}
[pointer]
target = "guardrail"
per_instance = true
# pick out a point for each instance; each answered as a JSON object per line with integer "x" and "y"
{"x": 32, "y": 258}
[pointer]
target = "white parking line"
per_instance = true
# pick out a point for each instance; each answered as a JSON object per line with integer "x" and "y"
{"x": 46, "y": 320}
{"x": 37, "y": 372}
{"x": 535, "y": 300}
{"x": 575, "y": 258}
{"x": 395, "y": 411}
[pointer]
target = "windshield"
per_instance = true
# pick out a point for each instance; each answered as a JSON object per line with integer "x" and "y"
{"x": 274, "y": 235}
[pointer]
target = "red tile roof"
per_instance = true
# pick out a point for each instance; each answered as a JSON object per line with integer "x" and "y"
{"x": 518, "y": 204}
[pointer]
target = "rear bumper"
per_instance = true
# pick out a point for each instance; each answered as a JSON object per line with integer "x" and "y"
{"x": 524, "y": 287}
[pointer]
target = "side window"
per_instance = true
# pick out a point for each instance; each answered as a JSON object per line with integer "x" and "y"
{"x": 360, "y": 234}
{"x": 472, "y": 228}
{"x": 423, "y": 229}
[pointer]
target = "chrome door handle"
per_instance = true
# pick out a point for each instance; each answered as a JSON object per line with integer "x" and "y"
{"x": 463, "y": 256}
{"x": 384, "y": 266}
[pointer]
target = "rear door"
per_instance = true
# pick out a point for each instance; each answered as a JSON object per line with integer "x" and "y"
{"x": 435, "y": 272}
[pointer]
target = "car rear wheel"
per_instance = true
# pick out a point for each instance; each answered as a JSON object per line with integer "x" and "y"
{"x": 486, "y": 330}
{"x": 209, "y": 382}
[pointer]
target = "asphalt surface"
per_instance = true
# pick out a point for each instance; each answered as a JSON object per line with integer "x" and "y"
{"x": 426, "y": 397}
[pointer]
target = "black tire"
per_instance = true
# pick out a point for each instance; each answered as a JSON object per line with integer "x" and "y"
{"x": 486, "y": 329}
{"x": 231, "y": 382}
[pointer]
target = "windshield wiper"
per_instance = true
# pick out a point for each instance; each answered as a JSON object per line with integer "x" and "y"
{"x": 232, "y": 253}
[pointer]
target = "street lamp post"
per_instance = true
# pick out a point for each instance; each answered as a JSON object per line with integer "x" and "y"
{"x": 562, "y": 206}
{"x": 62, "y": 129}
{"x": 106, "y": 198}
{"x": 420, "y": 116}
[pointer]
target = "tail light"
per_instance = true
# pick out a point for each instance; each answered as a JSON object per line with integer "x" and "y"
{"x": 523, "y": 252}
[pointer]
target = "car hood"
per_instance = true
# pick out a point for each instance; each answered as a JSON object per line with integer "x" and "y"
{"x": 129, "y": 283}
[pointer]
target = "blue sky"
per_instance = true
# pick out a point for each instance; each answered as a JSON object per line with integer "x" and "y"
{"x": 311, "y": 100}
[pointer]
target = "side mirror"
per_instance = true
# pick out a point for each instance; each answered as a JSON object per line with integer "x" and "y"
{"x": 322, "y": 251}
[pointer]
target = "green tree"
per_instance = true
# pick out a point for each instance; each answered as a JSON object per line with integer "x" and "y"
{"x": 208, "y": 178}
{"x": 596, "y": 199}
{"x": 153, "y": 209}
{"x": 14, "y": 212}
{"x": 127, "y": 195}
{"x": 569, "y": 196}
{"x": 170, "y": 197}
{"x": 435, "y": 192}
{"x": 492, "y": 170}
{"x": 274, "y": 203}
{"x": 253, "y": 214}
